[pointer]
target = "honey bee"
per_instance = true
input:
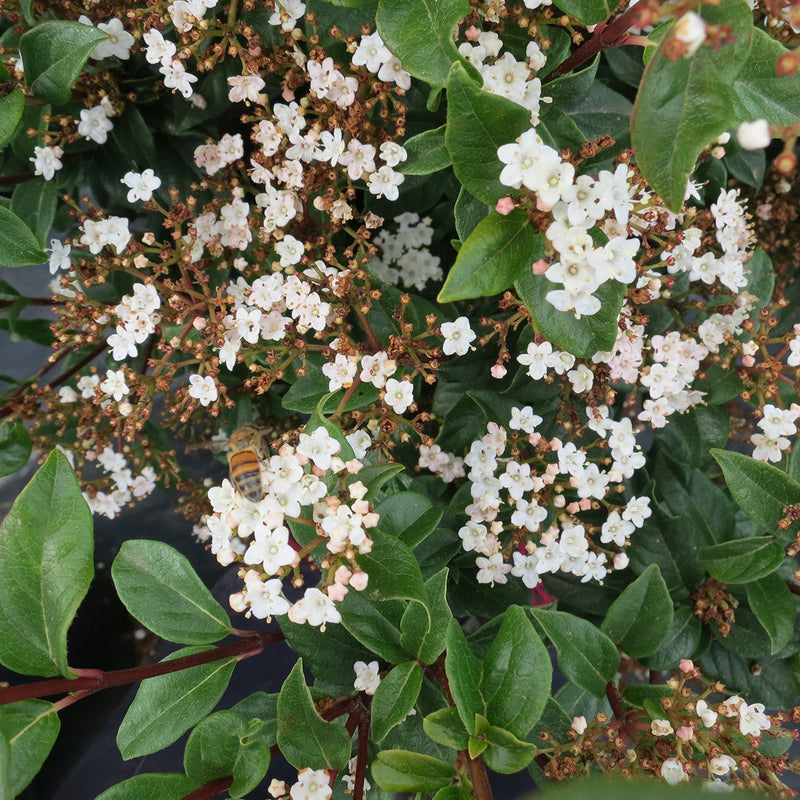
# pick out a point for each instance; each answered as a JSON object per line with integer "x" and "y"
{"x": 244, "y": 461}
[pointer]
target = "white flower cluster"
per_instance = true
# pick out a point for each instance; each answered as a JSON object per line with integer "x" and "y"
{"x": 126, "y": 487}
{"x": 520, "y": 493}
{"x": 405, "y": 255}
{"x": 137, "y": 320}
{"x": 776, "y": 424}
{"x": 46, "y": 161}
{"x": 505, "y": 76}
{"x": 257, "y": 533}
{"x": 108, "y": 232}
{"x": 373, "y": 54}
{"x": 311, "y": 784}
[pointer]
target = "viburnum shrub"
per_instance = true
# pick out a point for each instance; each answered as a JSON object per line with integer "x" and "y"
{"x": 492, "y": 307}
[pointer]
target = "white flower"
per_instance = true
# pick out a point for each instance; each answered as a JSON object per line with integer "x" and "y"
{"x": 203, "y": 389}
{"x": 661, "y": 727}
{"x": 492, "y": 570}
{"x": 753, "y": 720}
{"x": 59, "y": 256}
{"x": 721, "y": 765}
{"x": 754, "y": 135}
{"x": 159, "y": 50}
{"x": 245, "y": 88}
{"x": 142, "y": 185}
{"x": 312, "y": 784}
{"x": 119, "y": 42}
{"x": 176, "y": 77}
{"x": 672, "y": 771}
{"x": 115, "y": 385}
{"x": 457, "y": 337}
{"x": 385, "y": 183}
{"x": 319, "y": 446}
{"x": 367, "y": 677}
{"x": 95, "y": 124}
{"x": 264, "y": 597}
{"x": 691, "y": 30}
{"x": 46, "y": 161}
{"x": 706, "y": 714}
{"x": 399, "y": 395}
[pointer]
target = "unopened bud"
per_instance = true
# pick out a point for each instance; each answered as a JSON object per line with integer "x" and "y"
{"x": 754, "y": 135}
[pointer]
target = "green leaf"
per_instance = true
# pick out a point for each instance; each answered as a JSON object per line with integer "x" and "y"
{"x": 720, "y": 385}
{"x": 54, "y": 54}
{"x": 760, "y": 490}
{"x": 406, "y": 771}
{"x": 427, "y": 153}
{"x": 504, "y": 752}
{"x": 11, "y": 108}
{"x": 640, "y": 619}
{"x": 496, "y": 253}
{"x": 225, "y": 744}
{"x": 453, "y": 793}
{"x": 445, "y": 727}
{"x": 589, "y": 12}
{"x": 689, "y": 436}
{"x": 692, "y": 99}
{"x": 420, "y": 33}
{"x": 18, "y": 245}
{"x": 35, "y": 202}
{"x": 477, "y": 124}
{"x": 423, "y": 629}
{"x": 395, "y": 697}
{"x": 5, "y": 770}
{"x": 160, "y": 588}
{"x": 164, "y": 786}
{"x": 743, "y": 560}
{"x": 771, "y": 601}
{"x": 166, "y": 706}
{"x": 374, "y": 626}
{"x": 393, "y": 570}
{"x": 304, "y": 738}
{"x": 133, "y": 137}
{"x": 15, "y": 447}
{"x": 517, "y": 674}
{"x": 469, "y": 211}
{"x": 582, "y": 337}
{"x": 30, "y": 727}
{"x": 761, "y": 94}
{"x": 409, "y": 516}
{"x": 47, "y": 553}
{"x": 760, "y": 277}
{"x": 464, "y": 676}
{"x": 586, "y": 656}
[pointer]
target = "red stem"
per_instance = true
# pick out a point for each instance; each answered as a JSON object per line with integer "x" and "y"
{"x": 210, "y": 789}
{"x": 615, "y": 700}
{"x": 96, "y": 680}
{"x": 610, "y": 35}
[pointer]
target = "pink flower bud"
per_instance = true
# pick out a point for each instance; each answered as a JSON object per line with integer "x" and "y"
{"x": 472, "y": 33}
{"x": 343, "y": 575}
{"x": 357, "y": 491}
{"x": 579, "y": 725}
{"x": 237, "y": 602}
{"x": 686, "y": 665}
{"x": 498, "y": 371}
{"x": 359, "y": 580}
{"x": 287, "y": 95}
{"x": 540, "y": 267}
{"x": 573, "y": 508}
{"x": 555, "y": 445}
{"x": 684, "y": 733}
{"x": 585, "y": 503}
{"x": 353, "y": 466}
{"x": 337, "y": 592}
{"x": 621, "y": 561}
{"x": 748, "y": 361}
{"x": 505, "y": 205}
{"x": 199, "y": 323}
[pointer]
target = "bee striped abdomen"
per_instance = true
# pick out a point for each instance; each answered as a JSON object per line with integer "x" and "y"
{"x": 246, "y": 474}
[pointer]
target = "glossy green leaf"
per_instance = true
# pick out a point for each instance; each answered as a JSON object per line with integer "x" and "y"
{"x": 427, "y": 153}
{"x": 771, "y": 601}
{"x": 5, "y": 769}
{"x": 18, "y": 245}
{"x": 453, "y": 793}
{"x": 30, "y": 727}
{"x": 54, "y": 54}
{"x": 689, "y": 437}
{"x": 47, "y": 553}
{"x": 420, "y": 33}
{"x": 761, "y": 94}
{"x": 496, "y": 253}
{"x": 445, "y": 727}
{"x": 469, "y": 211}
{"x": 393, "y": 570}
{"x": 582, "y": 337}
{"x": 164, "y": 786}
{"x": 477, "y": 124}
{"x": 166, "y": 706}
{"x": 464, "y": 676}
{"x": 504, "y": 752}
{"x": 692, "y": 100}
{"x": 640, "y": 619}
{"x": 423, "y": 628}
{"x": 133, "y": 137}
{"x": 35, "y": 202}
{"x": 226, "y": 744}
{"x": 160, "y": 588}
{"x": 15, "y": 447}
{"x": 395, "y": 698}
{"x": 406, "y": 771}
{"x": 760, "y": 277}
{"x": 586, "y": 656}
{"x": 378, "y": 475}
{"x": 517, "y": 674}
{"x": 304, "y": 738}
{"x": 743, "y": 560}
{"x": 720, "y": 385}
{"x": 760, "y": 490}
{"x": 409, "y": 516}
{"x": 589, "y": 12}
{"x": 11, "y": 108}
{"x": 374, "y": 625}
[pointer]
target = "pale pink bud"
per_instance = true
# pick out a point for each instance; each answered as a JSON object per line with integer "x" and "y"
{"x": 748, "y": 361}
{"x": 199, "y": 323}
{"x": 585, "y": 503}
{"x": 360, "y": 507}
{"x": 540, "y": 267}
{"x": 754, "y": 135}
{"x": 621, "y": 561}
{"x": 549, "y": 536}
{"x": 343, "y": 575}
{"x": 559, "y": 501}
{"x": 555, "y": 445}
{"x": 288, "y": 95}
{"x": 278, "y": 788}
{"x": 353, "y": 466}
{"x": 140, "y": 261}
{"x": 288, "y": 450}
{"x": 237, "y": 602}
{"x": 573, "y": 508}
{"x": 337, "y": 592}
{"x": 505, "y": 205}
{"x": 318, "y": 471}
{"x": 684, "y": 733}
{"x": 148, "y": 238}
{"x": 370, "y": 520}
{"x": 534, "y": 438}
{"x": 357, "y": 491}
{"x": 472, "y": 33}
{"x": 359, "y": 580}
{"x": 226, "y": 557}
{"x": 498, "y": 371}
{"x": 579, "y": 725}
